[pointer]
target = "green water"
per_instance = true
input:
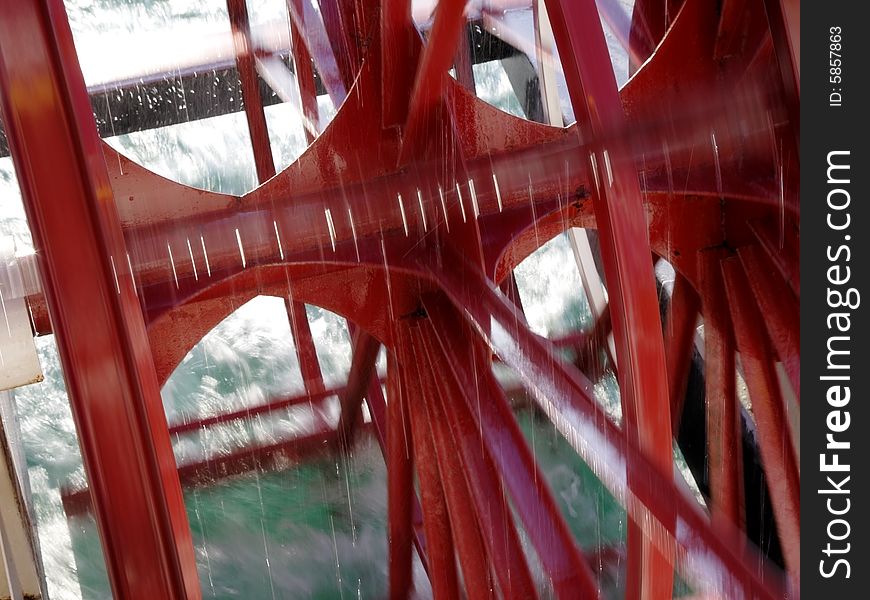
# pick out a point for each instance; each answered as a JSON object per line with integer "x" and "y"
{"x": 319, "y": 530}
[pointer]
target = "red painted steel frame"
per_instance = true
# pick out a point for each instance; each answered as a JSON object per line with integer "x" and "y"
{"x": 768, "y": 407}
{"x": 625, "y": 252}
{"x": 400, "y": 483}
{"x": 456, "y": 354}
{"x": 97, "y": 320}
{"x": 306, "y": 352}
{"x": 304, "y": 71}
{"x": 500, "y": 188}
{"x": 470, "y": 548}
{"x": 568, "y": 400}
{"x": 679, "y": 343}
{"x": 364, "y": 355}
{"x": 723, "y": 411}
{"x": 488, "y": 500}
{"x": 245, "y": 62}
{"x": 780, "y": 308}
{"x": 436, "y": 520}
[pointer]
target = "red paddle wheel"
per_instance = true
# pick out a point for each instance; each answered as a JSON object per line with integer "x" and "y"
{"x": 407, "y": 215}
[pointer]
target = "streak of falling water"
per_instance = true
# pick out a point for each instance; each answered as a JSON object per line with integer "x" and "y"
{"x": 402, "y": 211}
{"x": 534, "y": 212}
{"x": 266, "y": 552}
{"x": 220, "y": 390}
{"x": 353, "y": 233}
{"x": 337, "y": 561}
{"x": 172, "y": 263}
{"x": 5, "y": 314}
{"x": 112, "y": 126}
{"x": 331, "y": 227}
{"x": 776, "y": 149}
{"x": 387, "y": 279}
{"x": 497, "y": 191}
{"x": 443, "y": 207}
{"x": 473, "y": 193}
{"x": 196, "y": 511}
{"x": 666, "y": 151}
{"x": 718, "y": 168}
{"x": 461, "y": 205}
{"x": 278, "y": 239}
{"x": 422, "y": 210}
{"x": 346, "y": 469}
{"x": 241, "y": 250}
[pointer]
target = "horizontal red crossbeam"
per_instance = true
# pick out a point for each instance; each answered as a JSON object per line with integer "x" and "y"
{"x": 244, "y": 460}
{"x": 252, "y": 411}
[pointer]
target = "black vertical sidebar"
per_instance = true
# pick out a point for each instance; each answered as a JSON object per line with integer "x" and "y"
{"x": 835, "y": 337}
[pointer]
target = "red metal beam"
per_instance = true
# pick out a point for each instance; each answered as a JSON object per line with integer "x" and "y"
{"x": 465, "y": 525}
{"x": 246, "y": 64}
{"x": 400, "y": 481}
{"x": 338, "y": 32}
{"x": 364, "y": 356}
{"x": 306, "y": 352}
{"x": 97, "y": 320}
{"x": 378, "y": 410}
{"x": 510, "y": 289}
{"x": 499, "y": 533}
{"x": 309, "y": 446}
{"x": 780, "y": 309}
{"x": 725, "y": 459}
{"x": 400, "y": 49}
{"x": 768, "y": 408}
{"x": 450, "y": 342}
{"x": 650, "y": 19}
{"x": 783, "y": 250}
{"x": 305, "y": 19}
{"x": 589, "y": 354}
{"x": 731, "y": 28}
{"x": 680, "y": 343}
{"x": 304, "y": 71}
{"x": 252, "y": 411}
{"x": 568, "y": 398}
{"x": 613, "y": 13}
{"x": 625, "y": 252}
{"x": 431, "y": 76}
{"x": 462, "y": 62}
{"x": 783, "y": 16}
{"x": 436, "y": 520}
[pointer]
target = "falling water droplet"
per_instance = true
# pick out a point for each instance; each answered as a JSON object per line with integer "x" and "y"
{"x": 331, "y": 227}
{"x": 353, "y": 233}
{"x": 607, "y": 167}
{"x": 241, "y": 249}
{"x": 443, "y": 207}
{"x": 278, "y": 237}
{"x": 497, "y": 191}
{"x": 594, "y": 163}
{"x": 192, "y": 260}
{"x": 205, "y": 255}
{"x": 114, "y": 274}
{"x": 422, "y": 209}
{"x": 473, "y": 192}
{"x": 402, "y": 210}
{"x": 461, "y": 205}
{"x": 172, "y": 262}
